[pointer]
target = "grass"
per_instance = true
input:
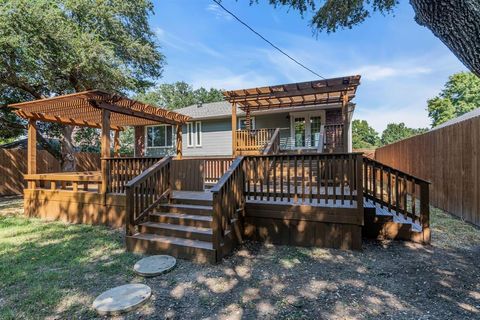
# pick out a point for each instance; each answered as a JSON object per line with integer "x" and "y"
{"x": 51, "y": 268}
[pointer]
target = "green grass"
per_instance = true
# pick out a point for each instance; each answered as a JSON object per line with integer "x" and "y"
{"x": 53, "y": 268}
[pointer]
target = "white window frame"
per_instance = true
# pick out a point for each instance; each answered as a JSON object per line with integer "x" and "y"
{"x": 166, "y": 146}
{"x": 307, "y": 115}
{"x": 252, "y": 123}
{"x": 198, "y": 133}
{"x": 190, "y": 135}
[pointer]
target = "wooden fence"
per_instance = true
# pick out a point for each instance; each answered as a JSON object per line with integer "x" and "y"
{"x": 449, "y": 158}
{"x": 13, "y": 164}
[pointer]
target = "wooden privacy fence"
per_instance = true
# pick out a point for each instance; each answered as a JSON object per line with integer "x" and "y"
{"x": 449, "y": 158}
{"x": 13, "y": 165}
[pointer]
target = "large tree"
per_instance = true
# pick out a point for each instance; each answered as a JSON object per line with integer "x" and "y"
{"x": 363, "y": 135}
{"x": 399, "y": 131}
{"x": 179, "y": 94}
{"x": 53, "y": 47}
{"x": 455, "y": 22}
{"x": 460, "y": 95}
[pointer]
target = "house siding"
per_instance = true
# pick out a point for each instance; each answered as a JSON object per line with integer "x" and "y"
{"x": 216, "y": 139}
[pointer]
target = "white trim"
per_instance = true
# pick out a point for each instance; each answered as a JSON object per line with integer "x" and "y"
{"x": 252, "y": 122}
{"x": 166, "y": 146}
{"x": 190, "y": 135}
{"x": 198, "y": 133}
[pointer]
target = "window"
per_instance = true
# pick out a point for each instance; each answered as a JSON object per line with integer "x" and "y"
{"x": 198, "y": 131}
{"x": 242, "y": 123}
{"x": 194, "y": 134}
{"x": 160, "y": 136}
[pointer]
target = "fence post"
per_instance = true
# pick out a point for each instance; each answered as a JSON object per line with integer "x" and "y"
{"x": 425, "y": 210}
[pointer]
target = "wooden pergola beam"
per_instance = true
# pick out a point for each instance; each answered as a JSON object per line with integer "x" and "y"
{"x": 61, "y": 120}
{"x": 133, "y": 113}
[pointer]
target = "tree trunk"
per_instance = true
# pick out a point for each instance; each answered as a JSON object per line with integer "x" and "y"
{"x": 456, "y": 23}
{"x": 68, "y": 150}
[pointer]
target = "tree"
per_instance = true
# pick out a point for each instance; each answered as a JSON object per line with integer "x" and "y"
{"x": 179, "y": 94}
{"x": 399, "y": 131}
{"x": 456, "y": 23}
{"x": 364, "y": 136}
{"x": 53, "y": 47}
{"x": 460, "y": 95}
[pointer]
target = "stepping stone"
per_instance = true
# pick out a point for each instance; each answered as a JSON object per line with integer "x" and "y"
{"x": 154, "y": 265}
{"x": 122, "y": 299}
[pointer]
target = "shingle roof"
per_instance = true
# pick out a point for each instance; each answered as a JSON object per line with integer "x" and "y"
{"x": 472, "y": 114}
{"x": 222, "y": 109}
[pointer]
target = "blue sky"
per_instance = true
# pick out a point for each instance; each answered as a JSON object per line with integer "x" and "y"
{"x": 402, "y": 64}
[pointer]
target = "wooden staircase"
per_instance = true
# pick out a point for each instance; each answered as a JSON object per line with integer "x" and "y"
{"x": 181, "y": 228}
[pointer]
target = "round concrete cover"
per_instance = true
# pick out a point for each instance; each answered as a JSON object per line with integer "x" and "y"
{"x": 122, "y": 299}
{"x": 154, "y": 265}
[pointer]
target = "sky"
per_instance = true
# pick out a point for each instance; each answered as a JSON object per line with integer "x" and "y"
{"x": 401, "y": 63}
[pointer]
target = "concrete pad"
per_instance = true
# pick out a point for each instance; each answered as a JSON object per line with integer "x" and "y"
{"x": 154, "y": 265}
{"x": 122, "y": 299}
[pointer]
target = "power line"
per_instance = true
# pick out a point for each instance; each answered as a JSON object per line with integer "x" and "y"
{"x": 266, "y": 40}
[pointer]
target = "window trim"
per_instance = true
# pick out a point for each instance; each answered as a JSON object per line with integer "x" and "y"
{"x": 166, "y": 146}
{"x": 198, "y": 133}
{"x": 190, "y": 135}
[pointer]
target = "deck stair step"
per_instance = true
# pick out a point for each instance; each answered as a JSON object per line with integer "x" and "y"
{"x": 183, "y": 219}
{"x": 185, "y": 208}
{"x": 200, "y": 251}
{"x": 384, "y": 215}
{"x": 174, "y": 230}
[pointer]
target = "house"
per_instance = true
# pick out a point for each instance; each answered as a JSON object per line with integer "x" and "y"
{"x": 303, "y": 127}
{"x": 289, "y": 177}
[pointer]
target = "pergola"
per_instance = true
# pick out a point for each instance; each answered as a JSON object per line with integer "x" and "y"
{"x": 321, "y": 92}
{"x": 95, "y": 109}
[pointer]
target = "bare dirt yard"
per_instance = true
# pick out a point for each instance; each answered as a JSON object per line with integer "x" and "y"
{"x": 54, "y": 270}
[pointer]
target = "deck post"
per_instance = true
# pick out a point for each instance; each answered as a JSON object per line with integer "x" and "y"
{"x": 425, "y": 211}
{"x": 105, "y": 151}
{"x": 116, "y": 144}
{"x": 32, "y": 151}
{"x": 179, "y": 142}
{"x": 234, "y": 129}
{"x": 345, "y": 122}
{"x": 359, "y": 183}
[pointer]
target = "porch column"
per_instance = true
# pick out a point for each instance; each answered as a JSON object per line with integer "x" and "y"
{"x": 116, "y": 144}
{"x": 179, "y": 141}
{"x": 105, "y": 148}
{"x": 248, "y": 120}
{"x": 345, "y": 122}
{"x": 139, "y": 148}
{"x": 234, "y": 128}
{"x": 32, "y": 150}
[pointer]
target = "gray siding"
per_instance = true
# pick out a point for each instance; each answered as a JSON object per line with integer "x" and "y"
{"x": 216, "y": 139}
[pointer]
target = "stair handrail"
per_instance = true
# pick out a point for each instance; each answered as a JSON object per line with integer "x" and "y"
{"x": 273, "y": 145}
{"x": 398, "y": 192}
{"x": 146, "y": 191}
{"x": 228, "y": 201}
{"x": 321, "y": 139}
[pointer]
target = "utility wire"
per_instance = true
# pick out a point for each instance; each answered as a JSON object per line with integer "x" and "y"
{"x": 266, "y": 40}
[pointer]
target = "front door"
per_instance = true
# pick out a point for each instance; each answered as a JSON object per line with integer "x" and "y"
{"x": 305, "y": 129}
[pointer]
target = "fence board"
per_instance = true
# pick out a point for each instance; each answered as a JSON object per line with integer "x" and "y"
{"x": 13, "y": 164}
{"x": 447, "y": 157}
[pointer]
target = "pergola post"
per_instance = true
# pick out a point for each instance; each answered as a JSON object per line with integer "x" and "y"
{"x": 116, "y": 144}
{"x": 345, "y": 122}
{"x": 105, "y": 149}
{"x": 179, "y": 141}
{"x": 248, "y": 120}
{"x": 234, "y": 128}
{"x": 32, "y": 151}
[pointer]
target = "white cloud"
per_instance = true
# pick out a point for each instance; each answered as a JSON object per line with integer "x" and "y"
{"x": 218, "y": 12}
{"x": 379, "y": 72}
{"x": 226, "y": 79}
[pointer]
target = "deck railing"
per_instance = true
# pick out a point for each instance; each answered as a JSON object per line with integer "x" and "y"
{"x": 334, "y": 138}
{"x": 122, "y": 170}
{"x": 397, "y": 191}
{"x": 215, "y": 168}
{"x": 273, "y": 146}
{"x": 253, "y": 140}
{"x": 321, "y": 179}
{"x": 146, "y": 191}
{"x": 228, "y": 202}
{"x": 74, "y": 181}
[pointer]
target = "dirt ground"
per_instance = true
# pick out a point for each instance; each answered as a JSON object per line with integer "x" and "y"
{"x": 388, "y": 280}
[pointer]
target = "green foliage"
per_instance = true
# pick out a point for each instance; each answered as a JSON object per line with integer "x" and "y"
{"x": 87, "y": 139}
{"x": 334, "y": 14}
{"x": 460, "y": 95}
{"x": 51, "y": 47}
{"x": 127, "y": 141}
{"x": 398, "y": 131}
{"x": 364, "y": 136}
{"x": 179, "y": 94}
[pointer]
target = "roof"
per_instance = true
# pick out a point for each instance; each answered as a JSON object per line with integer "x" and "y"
{"x": 85, "y": 109}
{"x": 472, "y": 114}
{"x": 219, "y": 109}
{"x": 335, "y": 90}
